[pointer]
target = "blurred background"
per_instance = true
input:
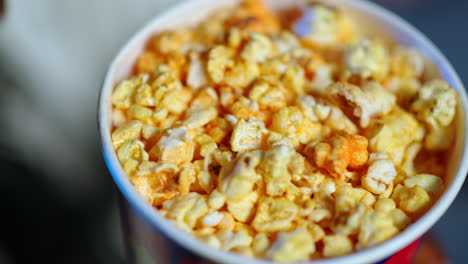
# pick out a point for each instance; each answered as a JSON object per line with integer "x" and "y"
{"x": 58, "y": 201}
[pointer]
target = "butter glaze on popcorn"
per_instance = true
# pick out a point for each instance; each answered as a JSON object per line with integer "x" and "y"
{"x": 261, "y": 190}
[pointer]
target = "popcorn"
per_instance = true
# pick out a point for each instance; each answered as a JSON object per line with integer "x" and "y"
{"x": 242, "y": 74}
{"x": 292, "y": 246}
{"x": 368, "y": 59}
{"x": 220, "y": 59}
{"x": 196, "y": 75}
{"x": 257, "y": 49}
{"x": 319, "y": 23}
{"x": 380, "y": 174}
{"x": 187, "y": 210}
{"x": 393, "y": 133}
{"x": 340, "y": 152}
{"x": 133, "y": 149}
{"x": 376, "y": 227}
{"x": 243, "y": 210}
{"x": 246, "y": 135}
{"x": 279, "y": 146}
{"x": 141, "y": 113}
{"x": 237, "y": 178}
{"x": 274, "y": 169}
{"x": 129, "y": 131}
{"x": 412, "y": 200}
{"x": 436, "y": 106}
{"x": 274, "y": 214}
{"x": 336, "y": 245}
{"x": 369, "y": 101}
{"x": 174, "y": 146}
{"x": 212, "y": 219}
{"x": 430, "y": 183}
{"x": 267, "y": 96}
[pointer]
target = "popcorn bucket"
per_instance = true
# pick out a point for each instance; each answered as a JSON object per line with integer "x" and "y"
{"x": 150, "y": 238}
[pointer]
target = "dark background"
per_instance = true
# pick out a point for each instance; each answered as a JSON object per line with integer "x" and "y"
{"x": 69, "y": 214}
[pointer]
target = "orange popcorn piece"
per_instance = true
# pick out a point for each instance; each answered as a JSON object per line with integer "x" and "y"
{"x": 342, "y": 151}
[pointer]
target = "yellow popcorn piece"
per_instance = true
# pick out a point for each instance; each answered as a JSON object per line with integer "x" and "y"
{"x": 368, "y": 59}
{"x": 313, "y": 109}
{"x": 413, "y": 200}
{"x": 376, "y": 227}
{"x": 216, "y": 200}
{"x": 430, "y": 183}
{"x": 247, "y": 135}
{"x": 242, "y": 74}
{"x": 380, "y": 174}
{"x": 294, "y": 79}
{"x": 292, "y": 246}
{"x": 385, "y": 205}
{"x": 227, "y": 223}
{"x": 220, "y": 59}
{"x": 400, "y": 219}
{"x": 207, "y": 145}
{"x": 237, "y": 178}
{"x": 204, "y": 98}
{"x": 186, "y": 178}
{"x": 407, "y": 62}
{"x": 274, "y": 214}
{"x": 201, "y": 117}
{"x": 133, "y": 149}
{"x": 322, "y": 25}
{"x": 243, "y": 210}
{"x": 144, "y": 95}
{"x": 338, "y": 121}
{"x": 260, "y": 244}
{"x": 336, "y": 245}
{"x": 267, "y": 96}
{"x": 148, "y": 131}
{"x": 292, "y": 122}
{"x": 231, "y": 240}
{"x": 436, "y": 103}
{"x": 370, "y": 101}
{"x": 436, "y": 106}
{"x": 274, "y": 169}
{"x": 394, "y": 133}
{"x": 257, "y": 49}
{"x": 122, "y": 95}
{"x": 129, "y": 131}
{"x": 187, "y": 210}
{"x": 174, "y": 146}
{"x": 212, "y": 219}
{"x": 141, "y": 113}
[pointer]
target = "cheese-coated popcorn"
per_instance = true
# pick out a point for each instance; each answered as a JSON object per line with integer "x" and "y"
{"x": 342, "y": 151}
{"x": 393, "y": 133}
{"x": 430, "y": 183}
{"x": 220, "y": 59}
{"x": 274, "y": 169}
{"x": 336, "y": 245}
{"x": 126, "y": 132}
{"x": 292, "y": 246}
{"x": 284, "y": 136}
{"x": 237, "y": 179}
{"x": 174, "y": 146}
{"x": 369, "y": 101}
{"x": 247, "y": 135}
{"x": 380, "y": 175}
{"x": 368, "y": 59}
{"x": 436, "y": 106}
{"x": 274, "y": 214}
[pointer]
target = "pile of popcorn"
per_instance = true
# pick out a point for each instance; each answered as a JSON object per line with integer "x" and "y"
{"x": 284, "y": 136}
